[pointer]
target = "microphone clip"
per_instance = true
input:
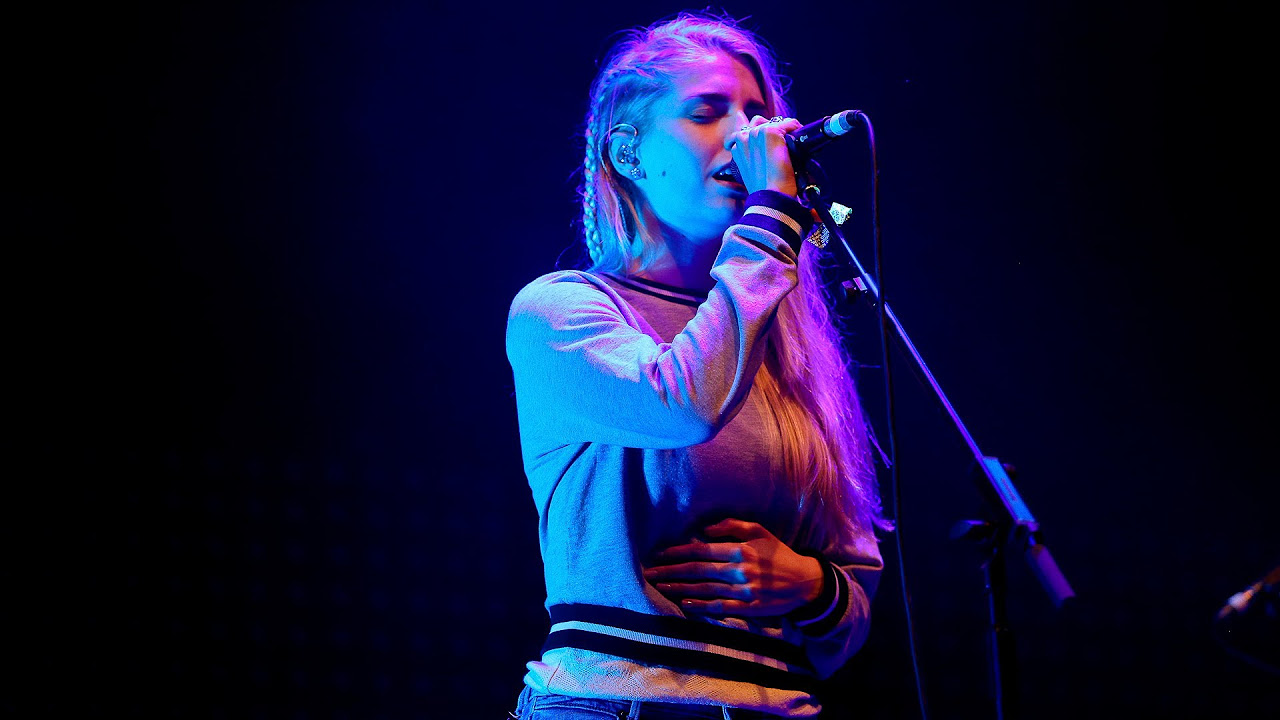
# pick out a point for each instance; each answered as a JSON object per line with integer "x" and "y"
{"x": 820, "y": 235}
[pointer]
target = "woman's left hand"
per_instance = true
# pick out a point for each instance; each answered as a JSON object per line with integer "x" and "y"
{"x": 751, "y": 573}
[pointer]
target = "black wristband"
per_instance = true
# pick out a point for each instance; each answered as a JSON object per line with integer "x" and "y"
{"x": 820, "y": 616}
{"x": 779, "y": 214}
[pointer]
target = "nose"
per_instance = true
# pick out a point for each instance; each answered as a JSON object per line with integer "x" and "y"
{"x": 735, "y": 122}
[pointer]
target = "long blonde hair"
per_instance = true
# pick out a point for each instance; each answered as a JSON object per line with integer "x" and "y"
{"x": 805, "y": 379}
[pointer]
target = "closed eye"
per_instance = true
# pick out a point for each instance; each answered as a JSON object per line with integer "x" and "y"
{"x": 706, "y": 108}
{"x": 707, "y": 112}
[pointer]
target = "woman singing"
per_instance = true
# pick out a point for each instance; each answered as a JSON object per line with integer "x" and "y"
{"x": 690, "y": 431}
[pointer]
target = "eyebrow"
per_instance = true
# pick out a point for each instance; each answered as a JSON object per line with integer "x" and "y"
{"x": 722, "y": 98}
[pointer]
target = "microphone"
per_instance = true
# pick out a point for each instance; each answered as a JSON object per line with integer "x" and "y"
{"x": 816, "y": 135}
{"x": 1240, "y": 602}
{"x": 811, "y": 138}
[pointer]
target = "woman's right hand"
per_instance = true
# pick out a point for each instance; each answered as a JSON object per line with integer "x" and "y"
{"x": 760, "y": 151}
{"x": 744, "y": 571}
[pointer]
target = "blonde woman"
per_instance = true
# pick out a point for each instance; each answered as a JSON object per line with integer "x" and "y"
{"x": 691, "y": 434}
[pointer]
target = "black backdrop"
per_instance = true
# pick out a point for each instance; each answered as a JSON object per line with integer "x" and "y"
{"x": 265, "y": 460}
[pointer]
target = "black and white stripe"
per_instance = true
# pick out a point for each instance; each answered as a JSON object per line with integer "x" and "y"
{"x": 681, "y": 644}
{"x": 779, "y": 214}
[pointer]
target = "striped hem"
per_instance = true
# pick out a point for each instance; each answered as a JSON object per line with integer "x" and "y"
{"x": 681, "y": 644}
{"x": 779, "y": 214}
{"x": 776, "y": 215}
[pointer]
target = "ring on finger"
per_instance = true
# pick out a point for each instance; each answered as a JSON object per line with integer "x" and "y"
{"x": 776, "y": 119}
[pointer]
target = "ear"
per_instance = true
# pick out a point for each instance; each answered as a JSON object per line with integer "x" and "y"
{"x": 623, "y": 154}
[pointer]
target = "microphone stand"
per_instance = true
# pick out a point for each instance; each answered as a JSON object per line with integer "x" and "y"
{"x": 1014, "y": 529}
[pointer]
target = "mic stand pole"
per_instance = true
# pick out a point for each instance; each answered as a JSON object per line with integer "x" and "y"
{"x": 1015, "y": 528}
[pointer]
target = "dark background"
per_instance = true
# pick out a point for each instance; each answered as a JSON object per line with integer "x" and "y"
{"x": 265, "y": 461}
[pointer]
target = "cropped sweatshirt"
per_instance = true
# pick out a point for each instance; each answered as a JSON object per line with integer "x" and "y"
{"x": 640, "y": 425}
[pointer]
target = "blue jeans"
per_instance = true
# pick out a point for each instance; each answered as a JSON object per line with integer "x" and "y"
{"x": 539, "y": 706}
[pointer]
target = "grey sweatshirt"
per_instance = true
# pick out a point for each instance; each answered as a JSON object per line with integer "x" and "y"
{"x": 639, "y": 425}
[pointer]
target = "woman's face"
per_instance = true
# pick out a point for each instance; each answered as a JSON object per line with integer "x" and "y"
{"x": 681, "y": 148}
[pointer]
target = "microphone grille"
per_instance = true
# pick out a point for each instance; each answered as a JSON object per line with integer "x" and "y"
{"x": 840, "y": 123}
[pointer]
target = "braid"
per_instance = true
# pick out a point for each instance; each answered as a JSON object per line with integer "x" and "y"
{"x": 597, "y": 178}
{"x": 591, "y": 235}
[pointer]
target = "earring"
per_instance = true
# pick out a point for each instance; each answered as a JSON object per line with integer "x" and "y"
{"x": 627, "y": 156}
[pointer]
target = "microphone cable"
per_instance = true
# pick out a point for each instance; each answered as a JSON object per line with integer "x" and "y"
{"x": 891, "y": 457}
{"x": 895, "y": 486}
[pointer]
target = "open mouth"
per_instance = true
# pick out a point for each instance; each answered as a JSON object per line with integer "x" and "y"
{"x": 729, "y": 174}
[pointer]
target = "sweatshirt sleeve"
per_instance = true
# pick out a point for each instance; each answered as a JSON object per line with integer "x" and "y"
{"x": 585, "y": 372}
{"x": 835, "y": 625}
